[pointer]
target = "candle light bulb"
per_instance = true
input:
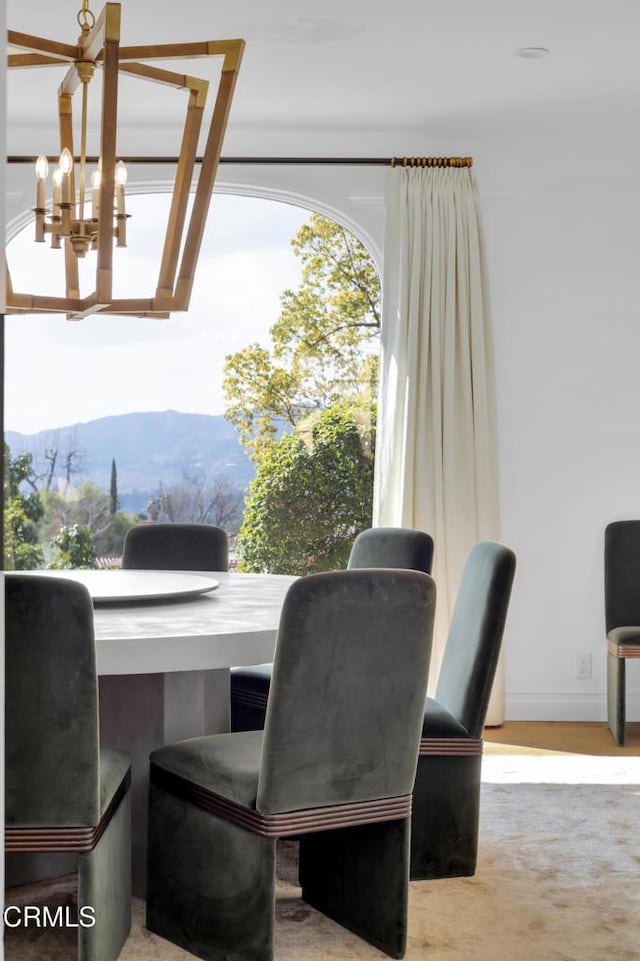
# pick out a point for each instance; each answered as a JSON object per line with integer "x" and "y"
{"x": 66, "y": 166}
{"x": 66, "y": 161}
{"x": 96, "y": 179}
{"x": 42, "y": 167}
{"x": 121, "y": 213}
{"x": 121, "y": 173}
{"x": 57, "y": 191}
{"x": 57, "y": 200}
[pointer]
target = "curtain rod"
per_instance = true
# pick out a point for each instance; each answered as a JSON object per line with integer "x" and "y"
{"x": 293, "y": 161}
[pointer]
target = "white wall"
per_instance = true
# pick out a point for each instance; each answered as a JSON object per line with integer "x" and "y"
{"x": 561, "y": 201}
{"x": 566, "y": 296}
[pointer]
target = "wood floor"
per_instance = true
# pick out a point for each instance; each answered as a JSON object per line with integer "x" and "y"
{"x": 564, "y": 737}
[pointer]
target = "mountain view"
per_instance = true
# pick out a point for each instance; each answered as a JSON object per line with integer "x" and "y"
{"x": 149, "y": 449}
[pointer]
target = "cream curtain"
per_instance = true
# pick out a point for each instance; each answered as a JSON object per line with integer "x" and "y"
{"x": 436, "y": 450}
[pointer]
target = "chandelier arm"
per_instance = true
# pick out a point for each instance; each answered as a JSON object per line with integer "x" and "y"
{"x": 104, "y": 267}
{"x": 137, "y": 306}
{"x": 70, "y": 82}
{"x": 34, "y": 60}
{"x": 181, "y": 81}
{"x": 41, "y": 45}
{"x": 76, "y": 308}
{"x": 180, "y": 197}
{"x": 177, "y": 51}
{"x": 71, "y": 271}
{"x": 231, "y": 50}
{"x": 91, "y": 308}
{"x": 206, "y": 179}
{"x": 41, "y": 303}
{"x": 90, "y": 46}
{"x": 107, "y": 24}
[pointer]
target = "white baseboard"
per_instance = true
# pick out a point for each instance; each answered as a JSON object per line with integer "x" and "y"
{"x": 564, "y": 707}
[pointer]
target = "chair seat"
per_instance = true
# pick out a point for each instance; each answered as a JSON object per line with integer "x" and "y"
{"x": 256, "y": 678}
{"x": 624, "y": 635}
{"x": 67, "y": 835}
{"x": 114, "y": 767}
{"x": 438, "y": 722}
{"x": 249, "y": 694}
{"x": 224, "y": 764}
{"x": 219, "y": 773}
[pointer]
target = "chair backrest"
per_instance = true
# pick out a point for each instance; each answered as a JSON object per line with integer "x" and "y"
{"x": 398, "y": 547}
{"x": 52, "y": 734}
{"x": 622, "y": 574}
{"x": 475, "y": 635}
{"x": 176, "y": 547}
{"x": 346, "y": 701}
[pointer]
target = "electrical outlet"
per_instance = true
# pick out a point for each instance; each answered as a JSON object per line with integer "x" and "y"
{"x": 583, "y": 667}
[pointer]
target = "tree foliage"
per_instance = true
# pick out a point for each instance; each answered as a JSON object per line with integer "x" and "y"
{"x": 195, "y": 500}
{"x": 113, "y": 487}
{"x": 88, "y": 507}
{"x": 63, "y": 460}
{"x": 318, "y": 344}
{"x": 73, "y": 549}
{"x": 311, "y": 495}
{"x": 22, "y": 513}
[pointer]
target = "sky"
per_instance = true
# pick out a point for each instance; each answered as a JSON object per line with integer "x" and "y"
{"x": 61, "y": 372}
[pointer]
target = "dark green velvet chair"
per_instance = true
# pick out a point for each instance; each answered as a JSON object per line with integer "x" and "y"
{"x": 446, "y": 796}
{"x": 334, "y": 766}
{"x": 622, "y": 615}
{"x": 176, "y": 547}
{"x": 396, "y": 547}
{"x": 64, "y": 793}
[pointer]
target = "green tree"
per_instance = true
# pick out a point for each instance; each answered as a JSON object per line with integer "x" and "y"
{"x": 88, "y": 506}
{"x": 311, "y": 495}
{"x": 113, "y": 489}
{"x": 73, "y": 548}
{"x": 110, "y": 541}
{"x": 22, "y": 513}
{"x": 196, "y": 500}
{"x": 321, "y": 345}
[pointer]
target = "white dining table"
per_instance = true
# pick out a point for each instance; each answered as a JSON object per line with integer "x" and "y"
{"x": 163, "y": 664}
{"x": 235, "y": 623}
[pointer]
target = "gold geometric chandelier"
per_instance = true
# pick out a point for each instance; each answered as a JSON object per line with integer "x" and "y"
{"x": 87, "y": 211}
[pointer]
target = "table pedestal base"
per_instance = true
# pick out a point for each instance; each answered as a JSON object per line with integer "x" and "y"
{"x": 140, "y": 712}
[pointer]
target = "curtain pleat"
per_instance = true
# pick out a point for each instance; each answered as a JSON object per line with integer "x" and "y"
{"x": 436, "y": 450}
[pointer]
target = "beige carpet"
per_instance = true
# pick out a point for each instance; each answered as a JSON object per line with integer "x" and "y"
{"x": 558, "y": 880}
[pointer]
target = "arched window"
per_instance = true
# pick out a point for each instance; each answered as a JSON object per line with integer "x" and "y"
{"x": 134, "y": 406}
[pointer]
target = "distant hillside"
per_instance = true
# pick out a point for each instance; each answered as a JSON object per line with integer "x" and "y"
{"x": 149, "y": 449}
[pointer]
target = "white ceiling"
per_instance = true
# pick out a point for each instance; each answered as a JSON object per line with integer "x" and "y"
{"x": 361, "y": 76}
